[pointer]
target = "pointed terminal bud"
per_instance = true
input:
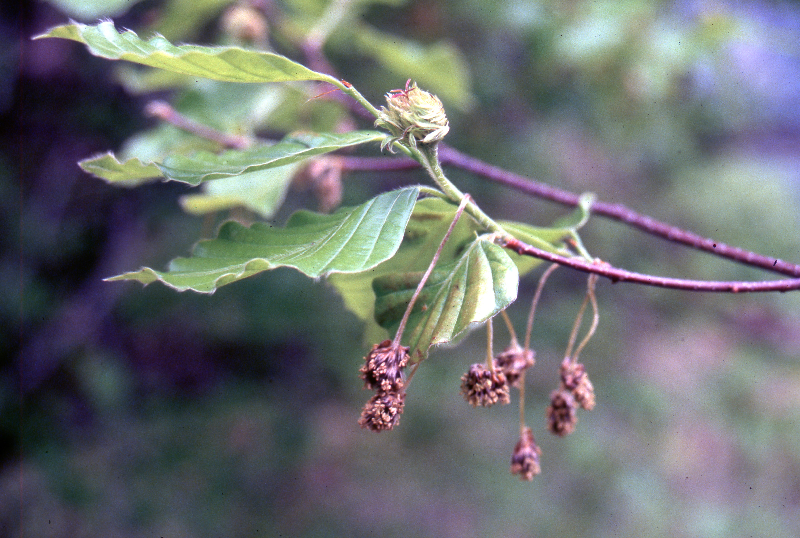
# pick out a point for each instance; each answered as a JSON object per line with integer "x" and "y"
{"x": 525, "y": 460}
{"x": 513, "y": 361}
{"x": 414, "y": 116}
{"x": 484, "y": 387}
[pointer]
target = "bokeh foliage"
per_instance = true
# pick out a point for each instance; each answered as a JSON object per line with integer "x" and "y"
{"x": 151, "y": 412}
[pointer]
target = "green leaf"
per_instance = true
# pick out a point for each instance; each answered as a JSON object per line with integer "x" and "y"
{"x": 429, "y": 222}
{"x": 262, "y": 191}
{"x": 545, "y": 238}
{"x": 350, "y": 240}
{"x": 205, "y": 166}
{"x": 231, "y": 64}
{"x": 128, "y": 174}
{"x": 562, "y": 227}
{"x": 470, "y": 290}
{"x": 580, "y": 216}
{"x": 138, "y": 81}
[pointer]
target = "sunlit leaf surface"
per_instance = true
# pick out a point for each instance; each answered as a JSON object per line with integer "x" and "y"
{"x": 232, "y": 64}
{"x": 350, "y": 240}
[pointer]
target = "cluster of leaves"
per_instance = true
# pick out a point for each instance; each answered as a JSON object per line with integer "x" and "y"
{"x": 374, "y": 253}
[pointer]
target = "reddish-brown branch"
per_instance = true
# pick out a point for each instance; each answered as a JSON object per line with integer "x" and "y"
{"x": 618, "y": 212}
{"x": 452, "y": 157}
{"x": 621, "y": 275}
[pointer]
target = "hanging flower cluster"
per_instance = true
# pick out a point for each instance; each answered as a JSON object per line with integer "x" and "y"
{"x": 383, "y": 373}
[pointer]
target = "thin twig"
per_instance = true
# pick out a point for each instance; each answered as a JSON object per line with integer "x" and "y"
{"x": 399, "y": 335}
{"x": 595, "y": 318}
{"x": 536, "y": 296}
{"x": 621, "y": 275}
{"x": 165, "y": 112}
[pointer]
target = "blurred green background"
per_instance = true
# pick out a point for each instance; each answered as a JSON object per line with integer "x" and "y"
{"x": 132, "y": 412}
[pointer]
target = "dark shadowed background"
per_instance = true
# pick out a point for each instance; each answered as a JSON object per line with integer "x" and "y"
{"x": 129, "y": 411}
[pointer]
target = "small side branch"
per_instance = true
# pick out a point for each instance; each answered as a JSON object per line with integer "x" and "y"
{"x": 621, "y": 275}
{"x": 165, "y": 112}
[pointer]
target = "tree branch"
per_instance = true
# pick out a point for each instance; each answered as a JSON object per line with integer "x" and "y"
{"x": 617, "y": 212}
{"x": 621, "y": 275}
{"x": 452, "y": 157}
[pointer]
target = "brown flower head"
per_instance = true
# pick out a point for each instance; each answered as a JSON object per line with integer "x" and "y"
{"x": 382, "y": 411}
{"x": 576, "y": 380}
{"x": 561, "y": 415}
{"x": 513, "y": 361}
{"x": 525, "y": 460}
{"x": 484, "y": 387}
{"x": 383, "y": 367}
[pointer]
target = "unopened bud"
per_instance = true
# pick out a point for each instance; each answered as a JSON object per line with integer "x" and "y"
{"x": 414, "y": 116}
